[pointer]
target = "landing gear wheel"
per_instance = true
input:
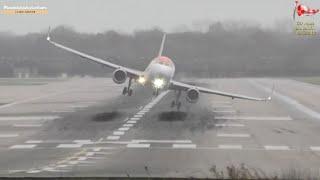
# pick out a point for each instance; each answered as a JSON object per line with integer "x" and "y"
{"x": 178, "y": 105}
{"x": 124, "y": 91}
{"x": 130, "y": 92}
{"x": 173, "y": 103}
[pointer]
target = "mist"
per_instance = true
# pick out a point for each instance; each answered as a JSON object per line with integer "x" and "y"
{"x": 223, "y": 50}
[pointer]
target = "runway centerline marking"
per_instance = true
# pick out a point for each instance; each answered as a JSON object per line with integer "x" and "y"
{"x": 269, "y": 147}
{"x": 233, "y": 135}
{"x": 255, "y": 118}
{"x": 33, "y": 141}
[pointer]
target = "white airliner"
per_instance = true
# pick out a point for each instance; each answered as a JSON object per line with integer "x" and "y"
{"x": 158, "y": 75}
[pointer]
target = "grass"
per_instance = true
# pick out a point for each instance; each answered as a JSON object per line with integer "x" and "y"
{"x": 27, "y": 81}
{"x": 312, "y": 80}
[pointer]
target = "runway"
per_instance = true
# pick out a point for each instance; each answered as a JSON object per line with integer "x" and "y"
{"x": 85, "y": 127}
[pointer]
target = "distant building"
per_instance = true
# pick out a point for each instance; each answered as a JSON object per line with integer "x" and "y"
{"x": 25, "y": 70}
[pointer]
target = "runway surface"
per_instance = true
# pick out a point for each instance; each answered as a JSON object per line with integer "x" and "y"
{"x": 85, "y": 127}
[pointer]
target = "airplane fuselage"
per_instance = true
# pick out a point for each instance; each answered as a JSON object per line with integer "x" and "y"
{"x": 159, "y": 72}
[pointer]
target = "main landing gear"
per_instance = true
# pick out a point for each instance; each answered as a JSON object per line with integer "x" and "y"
{"x": 176, "y": 102}
{"x": 127, "y": 90}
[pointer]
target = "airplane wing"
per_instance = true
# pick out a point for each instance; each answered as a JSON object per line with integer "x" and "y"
{"x": 175, "y": 85}
{"x": 131, "y": 72}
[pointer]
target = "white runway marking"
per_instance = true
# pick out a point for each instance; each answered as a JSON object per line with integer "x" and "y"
{"x": 159, "y": 141}
{"x": 233, "y": 135}
{"x": 224, "y": 111}
{"x": 276, "y": 147}
{"x": 69, "y": 145}
{"x": 83, "y": 158}
{"x": 123, "y": 129}
{"x": 221, "y": 106}
{"x": 128, "y": 125}
{"x": 315, "y": 148}
{"x": 138, "y": 116}
{"x": 73, "y": 162}
{"x": 293, "y": 103}
{"x": 33, "y": 141}
{"x": 78, "y": 106}
{"x": 33, "y": 171}
{"x": 255, "y": 118}
{"x": 132, "y": 122}
{"x": 8, "y": 135}
{"x": 23, "y": 146}
{"x": 118, "y": 133}
{"x": 184, "y": 146}
{"x": 27, "y": 125}
{"x": 135, "y": 118}
{"x": 63, "y": 111}
{"x": 229, "y": 146}
{"x": 113, "y": 137}
{"x": 131, "y": 145}
{"x": 140, "y": 113}
{"x": 82, "y": 141}
{"x": 90, "y": 153}
{"x": 26, "y": 118}
{"x": 229, "y": 125}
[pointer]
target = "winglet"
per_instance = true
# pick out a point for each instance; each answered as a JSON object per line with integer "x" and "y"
{"x": 48, "y": 35}
{"x": 162, "y": 44}
{"x": 271, "y": 94}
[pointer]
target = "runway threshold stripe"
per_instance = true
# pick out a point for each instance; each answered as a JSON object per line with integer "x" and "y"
{"x": 128, "y": 125}
{"x": 118, "y": 133}
{"x": 69, "y": 145}
{"x": 23, "y": 146}
{"x": 8, "y": 135}
{"x": 138, "y": 116}
{"x": 27, "y": 125}
{"x": 255, "y": 118}
{"x": 315, "y": 148}
{"x": 123, "y": 129}
{"x": 233, "y": 135}
{"x": 276, "y": 148}
{"x": 113, "y": 137}
{"x": 131, "y": 122}
{"x": 25, "y": 118}
{"x": 229, "y": 125}
{"x": 33, "y": 141}
{"x": 184, "y": 146}
{"x": 228, "y": 146}
{"x": 135, "y": 118}
{"x": 160, "y": 141}
{"x": 133, "y": 145}
{"x": 82, "y": 141}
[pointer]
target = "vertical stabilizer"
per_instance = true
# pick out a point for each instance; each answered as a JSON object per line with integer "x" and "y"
{"x": 162, "y": 44}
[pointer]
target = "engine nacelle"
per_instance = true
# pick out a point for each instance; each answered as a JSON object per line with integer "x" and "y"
{"x": 192, "y": 95}
{"x": 119, "y": 76}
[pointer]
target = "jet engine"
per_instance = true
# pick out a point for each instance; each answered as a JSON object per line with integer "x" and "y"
{"x": 119, "y": 76}
{"x": 192, "y": 95}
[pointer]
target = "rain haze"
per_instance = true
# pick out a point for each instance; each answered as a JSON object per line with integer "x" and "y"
{"x": 129, "y": 15}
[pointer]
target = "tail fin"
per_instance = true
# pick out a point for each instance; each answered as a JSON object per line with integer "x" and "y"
{"x": 162, "y": 44}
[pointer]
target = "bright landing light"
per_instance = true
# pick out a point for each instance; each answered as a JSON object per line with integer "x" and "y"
{"x": 142, "y": 80}
{"x": 158, "y": 83}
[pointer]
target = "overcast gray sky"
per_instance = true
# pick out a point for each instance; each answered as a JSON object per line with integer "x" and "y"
{"x": 128, "y": 15}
